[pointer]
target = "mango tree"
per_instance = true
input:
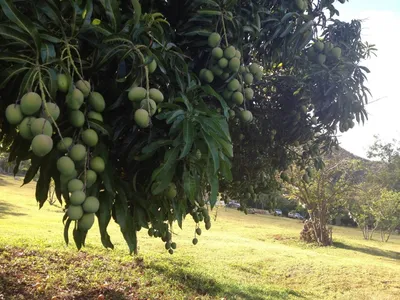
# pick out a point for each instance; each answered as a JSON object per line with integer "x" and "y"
{"x": 135, "y": 109}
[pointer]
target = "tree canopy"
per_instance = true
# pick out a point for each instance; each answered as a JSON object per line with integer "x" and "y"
{"x": 142, "y": 111}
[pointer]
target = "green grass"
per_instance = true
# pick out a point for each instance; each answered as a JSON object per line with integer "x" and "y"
{"x": 241, "y": 257}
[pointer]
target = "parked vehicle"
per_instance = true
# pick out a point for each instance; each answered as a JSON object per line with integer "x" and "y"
{"x": 278, "y": 212}
{"x": 298, "y": 216}
{"x": 292, "y": 214}
{"x": 233, "y": 204}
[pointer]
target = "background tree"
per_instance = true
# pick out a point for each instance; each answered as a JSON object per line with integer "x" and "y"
{"x": 142, "y": 104}
{"x": 321, "y": 193}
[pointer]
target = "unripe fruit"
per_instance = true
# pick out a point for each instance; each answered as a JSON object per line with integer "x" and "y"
{"x": 254, "y": 68}
{"x": 217, "y": 71}
{"x": 229, "y": 52}
{"x": 149, "y": 105}
{"x": 41, "y": 126}
{"x": 217, "y": 53}
{"x": 142, "y": 118}
{"x": 93, "y": 115}
{"x": 328, "y": 48}
{"x": 25, "y": 128}
{"x": 65, "y": 166}
{"x": 152, "y": 66}
{"x": 156, "y": 95}
{"x": 75, "y": 185}
{"x": 96, "y": 100}
{"x": 208, "y": 76}
{"x": 62, "y": 83}
{"x": 225, "y": 76}
{"x": 232, "y": 114}
{"x": 227, "y": 94}
{"x": 77, "y": 152}
{"x": 242, "y": 69}
{"x": 97, "y": 164}
{"x": 75, "y": 212}
{"x": 223, "y": 63}
{"x": 214, "y": 39}
{"x": 234, "y": 64}
{"x": 234, "y": 85}
{"x": 83, "y": 86}
{"x": 76, "y": 118}
{"x": 171, "y": 193}
{"x": 198, "y": 231}
{"x": 248, "y": 78}
{"x": 336, "y": 52}
{"x": 238, "y": 54}
{"x": 30, "y": 103}
{"x": 41, "y": 145}
{"x": 173, "y": 245}
{"x": 208, "y": 225}
{"x": 64, "y": 144}
{"x": 246, "y": 116}
{"x": 77, "y": 197}
{"x": 195, "y": 241}
{"x": 14, "y": 114}
{"x": 137, "y": 94}
{"x": 91, "y": 178}
{"x": 75, "y": 99}
{"x": 319, "y": 46}
{"x": 90, "y": 137}
{"x": 314, "y": 120}
{"x": 259, "y": 75}
{"x": 321, "y": 58}
{"x": 86, "y": 222}
{"x": 237, "y": 97}
{"x": 91, "y": 205}
{"x": 52, "y": 111}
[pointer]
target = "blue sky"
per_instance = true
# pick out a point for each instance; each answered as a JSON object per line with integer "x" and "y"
{"x": 380, "y": 27}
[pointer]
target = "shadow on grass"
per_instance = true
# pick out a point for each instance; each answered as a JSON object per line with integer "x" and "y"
{"x": 8, "y": 209}
{"x": 195, "y": 283}
{"x": 369, "y": 250}
{"x": 12, "y": 287}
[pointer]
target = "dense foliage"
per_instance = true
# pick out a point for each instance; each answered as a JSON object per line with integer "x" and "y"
{"x": 149, "y": 101}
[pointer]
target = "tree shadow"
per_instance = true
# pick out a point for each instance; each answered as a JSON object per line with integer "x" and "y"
{"x": 11, "y": 286}
{"x": 196, "y": 283}
{"x": 8, "y": 209}
{"x": 369, "y": 250}
{"x": 2, "y": 181}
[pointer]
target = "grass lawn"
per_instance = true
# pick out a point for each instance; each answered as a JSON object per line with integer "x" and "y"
{"x": 241, "y": 257}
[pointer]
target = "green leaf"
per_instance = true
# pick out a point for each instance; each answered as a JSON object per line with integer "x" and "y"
{"x": 189, "y": 184}
{"x": 66, "y": 229}
{"x": 125, "y": 220}
{"x": 21, "y": 20}
{"x": 33, "y": 169}
{"x": 138, "y": 10}
{"x": 212, "y": 147}
{"x": 10, "y": 33}
{"x": 47, "y": 52}
{"x": 188, "y": 137}
{"x": 10, "y": 74}
{"x": 154, "y": 146}
{"x": 209, "y": 12}
{"x": 162, "y": 176}
{"x": 10, "y": 57}
{"x": 112, "y": 11}
{"x": 79, "y": 238}
{"x": 211, "y": 92}
{"x": 214, "y": 184}
{"x": 104, "y": 217}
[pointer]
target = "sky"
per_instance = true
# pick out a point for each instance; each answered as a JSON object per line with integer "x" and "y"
{"x": 380, "y": 27}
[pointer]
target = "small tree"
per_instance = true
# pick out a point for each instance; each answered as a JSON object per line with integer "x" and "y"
{"x": 320, "y": 193}
{"x": 387, "y": 213}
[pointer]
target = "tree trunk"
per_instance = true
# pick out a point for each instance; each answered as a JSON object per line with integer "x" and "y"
{"x": 315, "y": 230}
